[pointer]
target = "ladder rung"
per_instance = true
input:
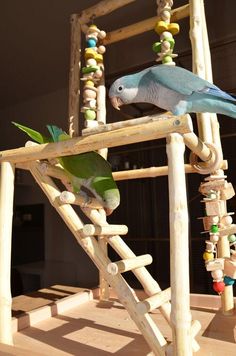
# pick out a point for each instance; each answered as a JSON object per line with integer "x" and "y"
{"x": 129, "y": 264}
{"x": 155, "y": 301}
{"x": 67, "y": 197}
{"x": 91, "y": 230}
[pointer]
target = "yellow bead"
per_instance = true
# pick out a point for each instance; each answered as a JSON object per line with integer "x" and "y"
{"x": 89, "y": 53}
{"x": 89, "y": 83}
{"x": 208, "y": 256}
{"x": 173, "y": 28}
{"x": 99, "y": 57}
{"x": 161, "y": 26}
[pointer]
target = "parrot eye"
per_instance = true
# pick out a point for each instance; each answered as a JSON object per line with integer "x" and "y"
{"x": 120, "y": 88}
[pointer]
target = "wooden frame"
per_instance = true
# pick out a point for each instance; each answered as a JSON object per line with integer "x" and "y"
{"x": 179, "y": 132}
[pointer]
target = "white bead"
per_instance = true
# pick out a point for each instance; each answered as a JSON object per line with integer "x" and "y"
{"x": 215, "y": 220}
{"x": 165, "y": 15}
{"x": 92, "y": 104}
{"x": 91, "y": 62}
{"x": 217, "y": 274}
{"x": 214, "y": 238}
{"x": 101, "y": 49}
{"x": 102, "y": 34}
{"x": 165, "y": 34}
{"x": 226, "y": 220}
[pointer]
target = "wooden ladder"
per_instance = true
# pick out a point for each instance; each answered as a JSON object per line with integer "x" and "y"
{"x": 112, "y": 271}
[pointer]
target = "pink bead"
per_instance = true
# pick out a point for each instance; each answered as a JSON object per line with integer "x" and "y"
{"x": 89, "y": 94}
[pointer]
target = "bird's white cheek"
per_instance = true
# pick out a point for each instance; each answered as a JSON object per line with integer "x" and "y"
{"x": 130, "y": 95}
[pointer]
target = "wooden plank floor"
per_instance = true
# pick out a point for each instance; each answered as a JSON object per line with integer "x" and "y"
{"x": 102, "y": 329}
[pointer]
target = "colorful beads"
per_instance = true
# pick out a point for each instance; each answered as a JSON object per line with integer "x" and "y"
{"x": 219, "y": 287}
{"x": 92, "y": 72}
{"x": 90, "y": 114}
{"x": 228, "y": 281}
{"x": 231, "y": 238}
{"x": 214, "y": 229}
{"x": 166, "y": 30}
{"x": 91, "y": 42}
{"x": 207, "y": 256}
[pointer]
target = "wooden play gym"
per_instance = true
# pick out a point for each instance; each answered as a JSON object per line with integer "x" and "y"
{"x": 174, "y": 302}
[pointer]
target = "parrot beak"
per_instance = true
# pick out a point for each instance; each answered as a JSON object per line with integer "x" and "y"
{"x": 116, "y": 102}
{"x": 108, "y": 211}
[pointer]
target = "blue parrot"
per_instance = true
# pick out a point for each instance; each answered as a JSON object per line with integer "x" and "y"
{"x": 173, "y": 89}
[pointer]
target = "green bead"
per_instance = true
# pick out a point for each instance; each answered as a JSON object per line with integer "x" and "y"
{"x": 90, "y": 114}
{"x": 89, "y": 69}
{"x": 214, "y": 228}
{"x": 167, "y": 59}
{"x": 231, "y": 238}
{"x": 156, "y": 47}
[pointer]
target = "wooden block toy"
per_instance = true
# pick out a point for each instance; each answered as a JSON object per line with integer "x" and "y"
{"x": 230, "y": 267}
{"x": 206, "y": 187}
{"x": 216, "y": 264}
{"x": 227, "y": 192}
{"x": 217, "y": 207}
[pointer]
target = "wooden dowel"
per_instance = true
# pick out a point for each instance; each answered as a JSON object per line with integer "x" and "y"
{"x": 193, "y": 142}
{"x": 91, "y": 230}
{"x": 143, "y": 26}
{"x": 129, "y": 264}
{"x": 102, "y": 8}
{"x": 153, "y": 172}
{"x": 198, "y": 64}
{"x": 127, "y": 123}
{"x": 155, "y": 301}
{"x": 52, "y": 171}
{"x": 6, "y": 213}
{"x": 179, "y": 248}
{"x": 101, "y": 109}
{"x": 67, "y": 197}
{"x": 128, "y": 135}
{"x": 74, "y": 77}
{"x": 227, "y": 297}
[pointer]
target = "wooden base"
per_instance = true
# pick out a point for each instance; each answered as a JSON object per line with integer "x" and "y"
{"x": 91, "y": 327}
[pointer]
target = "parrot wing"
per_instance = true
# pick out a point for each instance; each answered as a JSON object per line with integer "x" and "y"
{"x": 184, "y": 81}
{"x": 86, "y": 165}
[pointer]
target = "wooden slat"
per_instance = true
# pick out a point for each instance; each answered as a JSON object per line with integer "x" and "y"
{"x": 128, "y": 135}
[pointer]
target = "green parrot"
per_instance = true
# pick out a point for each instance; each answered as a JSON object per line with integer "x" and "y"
{"x": 89, "y": 170}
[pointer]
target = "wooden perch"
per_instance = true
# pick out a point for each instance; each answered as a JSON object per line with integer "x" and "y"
{"x": 128, "y": 135}
{"x": 102, "y": 8}
{"x": 78, "y": 199}
{"x": 143, "y": 26}
{"x": 129, "y": 264}
{"x": 155, "y": 301}
{"x": 91, "y": 230}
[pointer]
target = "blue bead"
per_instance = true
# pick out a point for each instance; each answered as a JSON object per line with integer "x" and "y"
{"x": 228, "y": 281}
{"x": 91, "y": 42}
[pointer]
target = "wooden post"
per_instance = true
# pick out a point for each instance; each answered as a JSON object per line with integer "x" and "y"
{"x": 6, "y": 214}
{"x": 227, "y": 297}
{"x": 198, "y": 63}
{"x": 179, "y": 248}
{"x": 74, "y": 78}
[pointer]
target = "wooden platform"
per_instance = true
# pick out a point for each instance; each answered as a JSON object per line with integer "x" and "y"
{"x": 71, "y": 321}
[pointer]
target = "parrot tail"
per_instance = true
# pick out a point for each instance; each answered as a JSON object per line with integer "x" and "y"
{"x": 55, "y": 132}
